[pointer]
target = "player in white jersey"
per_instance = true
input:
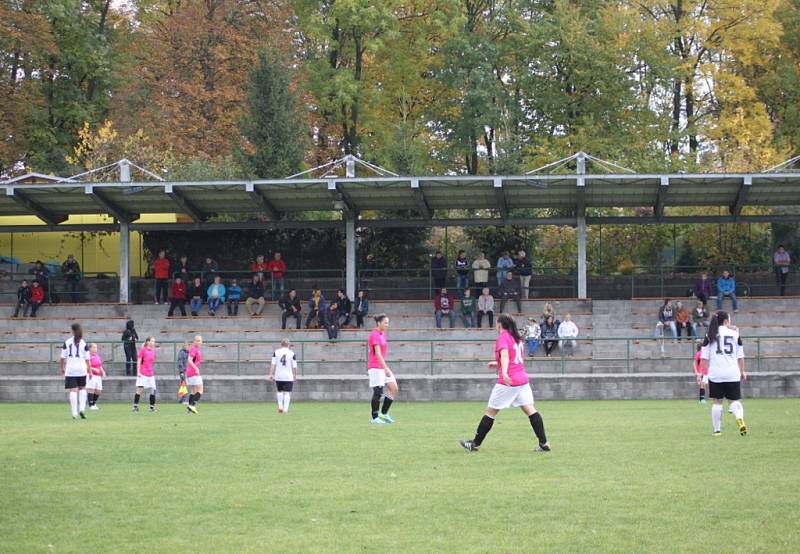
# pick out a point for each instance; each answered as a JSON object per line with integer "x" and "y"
{"x": 723, "y": 357}
{"x": 283, "y": 370}
{"x": 75, "y": 367}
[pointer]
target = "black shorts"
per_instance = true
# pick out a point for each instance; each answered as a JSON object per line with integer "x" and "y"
{"x": 75, "y": 382}
{"x": 284, "y": 386}
{"x": 732, "y": 390}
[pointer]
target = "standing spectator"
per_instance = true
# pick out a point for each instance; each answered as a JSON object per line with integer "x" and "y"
{"x": 332, "y": 321}
{"x": 509, "y": 290}
{"x": 260, "y": 266}
{"x": 344, "y": 308}
{"x": 702, "y": 288}
{"x": 71, "y": 271}
{"x": 183, "y": 268}
{"x": 462, "y": 273}
{"x": 504, "y": 264}
{"x": 41, "y": 274}
{"x": 210, "y": 269}
{"x": 550, "y": 334}
{"x": 568, "y": 332}
{"x": 179, "y": 293}
{"x": 234, "y": 296}
{"x": 216, "y": 295}
{"x": 316, "y": 308}
{"x": 444, "y": 306}
{"x": 277, "y": 267}
{"x": 683, "y": 320}
{"x": 37, "y": 296}
{"x": 524, "y": 270}
{"x": 700, "y": 317}
{"x": 485, "y": 307}
{"x": 548, "y": 310}
{"x": 361, "y": 308}
{"x": 129, "y": 338}
{"x": 290, "y": 307}
{"x": 439, "y": 270}
{"x": 197, "y": 295}
{"x": 781, "y": 259}
{"x": 161, "y": 274}
{"x": 533, "y": 333}
{"x": 256, "y": 296}
{"x": 481, "y": 268}
{"x": 468, "y": 305}
{"x": 666, "y": 318}
{"x": 23, "y": 299}
{"x": 726, "y": 286}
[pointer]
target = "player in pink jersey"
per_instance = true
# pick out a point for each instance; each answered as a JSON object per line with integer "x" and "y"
{"x": 380, "y": 375}
{"x": 96, "y": 373}
{"x": 193, "y": 378}
{"x": 145, "y": 374}
{"x": 512, "y": 387}
{"x": 700, "y": 372}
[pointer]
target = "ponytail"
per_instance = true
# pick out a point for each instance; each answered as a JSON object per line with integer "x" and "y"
{"x": 717, "y": 319}
{"x": 507, "y": 323}
{"x": 77, "y": 332}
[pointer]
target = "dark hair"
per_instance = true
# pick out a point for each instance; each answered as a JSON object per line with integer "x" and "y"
{"x": 290, "y": 290}
{"x": 507, "y": 322}
{"x": 780, "y": 246}
{"x": 77, "y": 331}
{"x": 666, "y": 301}
{"x": 718, "y": 319}
{"x": 461, "y": 252}
{"x": 342, "y": 291}
{"x": 380, "y": 317}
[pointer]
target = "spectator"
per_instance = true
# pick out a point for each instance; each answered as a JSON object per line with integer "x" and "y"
{"x": 161, "y": 274}
{"x": 702, "y": 288}
{"x": 234, "y": 296}
{"x": 129, "y": 338}
{"x": 277, "y": 267}
{"x": 71, "y": 271}
{"x": 468, "y": 305}
{"x": 361, "y": 308}
{"x": 259, "y": 267}
{"x": 485, "y": 307}
{"x": 332, "y": 321}
{"x": 316, "y": 309}
{"x": 504, "y": 264}
{"x": 683, "y": 320}
{"x": 41, "y": 274}
{"x": 290, "y": 307}
{"x": 533, "y": 333}
{"x": 509, "y": 290}
{"x": 23, "y": 299}
{"x": 344, "y": 308}
{"x": 37, "y": 296}
{"x": 781, "y": 259}
{"x": 256, "y": 296}
{"x": 197, "y": 295}
{"x": 462, "y": 273}
{"x": 183, "y": 268}
{"x": 215, "y": 295}
{"x": 568, "y": 332}
{"x": 726, "y": 286}
{"x": 548, "y": 310}
{"x": 481, "y": 268}
{"x": 210, "y": 269}
{"x": 666, "y": 318}
{"x": 700, "y": 317}
{"x": 444, "y": 306}
{"x": 179, "y": 294}
{"x": 524, "y": 270}
{"x": 439, "y": 270}
{"x": 550, "y": 333}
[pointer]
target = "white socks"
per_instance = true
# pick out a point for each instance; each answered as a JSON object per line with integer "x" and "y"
{"x": 82, "y": 400}
{"x": 284, "y": 398}
{"x": 737, "y": 409}
{"x": 73, "y": 403}
{"x": 716, "y": 417}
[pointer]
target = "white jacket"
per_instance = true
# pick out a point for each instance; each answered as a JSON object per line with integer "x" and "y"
{"x": 485, "y": 303}
{"x": 567, "y": 329}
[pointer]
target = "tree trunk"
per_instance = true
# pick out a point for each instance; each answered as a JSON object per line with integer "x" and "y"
{"x": 676, "y": 116}
{"x": 690, "y": 120}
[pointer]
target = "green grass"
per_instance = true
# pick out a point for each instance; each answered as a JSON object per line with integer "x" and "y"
{"x": 629, "y": 476}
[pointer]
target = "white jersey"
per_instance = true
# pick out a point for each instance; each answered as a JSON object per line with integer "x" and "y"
{"x": 723, "y": 356}
{"x": 76, "y": 356}
{"x": 285, "y": 362}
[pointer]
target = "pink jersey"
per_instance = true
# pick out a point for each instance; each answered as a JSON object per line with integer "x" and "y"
{"x": 697, "y": 365}
{"x": 96, "y": 365}
{"x": 148, "y": 357}
{"x": 376, "y": 338}
{"x": 516, "y": 359}
{"x": 197, "y": 358}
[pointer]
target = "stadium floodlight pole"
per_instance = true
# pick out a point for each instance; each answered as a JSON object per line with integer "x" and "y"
{"x": 350, "y": 236}
{"x": 124, "y": 242}
{"x": 580, "y": 212}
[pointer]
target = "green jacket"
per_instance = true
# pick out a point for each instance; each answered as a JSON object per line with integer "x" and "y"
{"x": 468, "y": 304}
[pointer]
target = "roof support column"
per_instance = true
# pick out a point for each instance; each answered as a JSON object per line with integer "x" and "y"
{"x": 582, "y": 258}
{"x": 124, "y": 243}
{"x": 350, "y": 249}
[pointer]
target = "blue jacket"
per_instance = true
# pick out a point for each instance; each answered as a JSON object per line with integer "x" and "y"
{"x": 220, "y": 291}
{"x": 322, "y": 304}
{"x": 726, "y": 285}
{"x": 503, "y": 266}
{"x": 234, "y": 292}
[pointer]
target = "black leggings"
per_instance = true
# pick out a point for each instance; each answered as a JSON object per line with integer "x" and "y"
{"x": 130, "y": 359}
{"x": 549, "y": 345}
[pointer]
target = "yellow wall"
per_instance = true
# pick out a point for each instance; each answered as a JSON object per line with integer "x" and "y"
{"x": 97, "y": 252}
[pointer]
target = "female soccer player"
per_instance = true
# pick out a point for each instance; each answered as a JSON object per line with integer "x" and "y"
{"x": 193, "y": 378}
{"x": 380, "y": 375}
{"x": 702, "y": 377}
{"x": 94, "y": 386}
{"x": 723, "y": 359}
{"x": 74, "y": 368}
{"x": 512, "y": 387}
{"x": 145, "y": 376}
{"x": 283, "y": 370}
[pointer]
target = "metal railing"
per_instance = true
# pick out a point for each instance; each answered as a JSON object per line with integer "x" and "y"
{"x": 58, "y": 288}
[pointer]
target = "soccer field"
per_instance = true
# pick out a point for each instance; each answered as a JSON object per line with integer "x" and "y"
{"x": 623, "y": 476}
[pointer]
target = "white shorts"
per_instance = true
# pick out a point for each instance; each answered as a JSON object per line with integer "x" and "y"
{"x": 146, "y": 382}
{"x": 194, "y": 381}
{"x": 378, "y": 378}
{"x": 94, "y": 382}
{"x": 504, "y": 396}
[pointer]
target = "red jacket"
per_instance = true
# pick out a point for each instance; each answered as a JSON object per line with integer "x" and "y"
{"x": 37, "y": 294}
{"x": 277, "y": 267}
{"x": 262, "y": 267}
{"x": 161, "y": 268}
{"x": 179, "y": 291}
{"x": 437, "y": 302}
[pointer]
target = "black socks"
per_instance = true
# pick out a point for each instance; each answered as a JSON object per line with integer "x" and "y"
{"x": 136, "y": 399}
{"x": 538, "y": 427}
{"x": 702, "y": 393}
{"x": 375, "y": 404}
{"x": 92, "y": 398}
{"x": 194, "y": 398}
{"x": 152, "y": 399}
{"x": 387, "y": 403}
{"x": 483, "y": 429}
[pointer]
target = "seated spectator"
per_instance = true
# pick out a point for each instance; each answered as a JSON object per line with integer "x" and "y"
{"x": 23, "y": 299}
{"x": 550, "y": 334}
{"x": 509, "y": 290}
{"x": 548, "y": 310}
{"x": 259, "y": 267}
{"x": 255, "y": 297}
{"x": 332, "y": 320}
{"x": 485, "y": 307}
{"x": 210, "y": 269}
{"x": 683, "y": 321}
{"x": 468, "y": 305}
{"x": 316, "y": 310}
{"x": 533, "y": 333}
{"x": 161, "y": 275}
{"x": 183, "y": 268}
{"x": 726, "y": 287}
{"x": 178, "y": 300}
{"x": 361, "y": 308}
{"x": 234, "y": 296}
{"x": 344, "y": 308}
{"x": 37, "y": 296}
{"x": 290, "y": 307}
{"x": 41, "y": 274}
{"x": 666, "y": 318}
{"x": 568, "y": 332}
{"x": 444, "y": 306}
{"x": 700, "y": 317}
{"x": 702, "y": 288}
{"x": 277, "y": 267}
{"x": 197, "y": 295}
{"x": 71, "y": 271}
{"x": 216, "y": 295}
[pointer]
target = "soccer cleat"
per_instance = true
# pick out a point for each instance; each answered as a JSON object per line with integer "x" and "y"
{"x": 702, "y": 401}
{"x": 94, "y": 407}
{"x": 378, "y": 421}
{"x": 742, "y": 426}
{"x": 716, "y": 434}
{"x": 83, "y": 415}
{"x": 135, "y": 408}
{"x": 387, "y": 418}
{"x": 542, "y": 448}
{"x": 468, "y": 445}
{"x": 191, "y": 409}
{"x": 153, "y": 409}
